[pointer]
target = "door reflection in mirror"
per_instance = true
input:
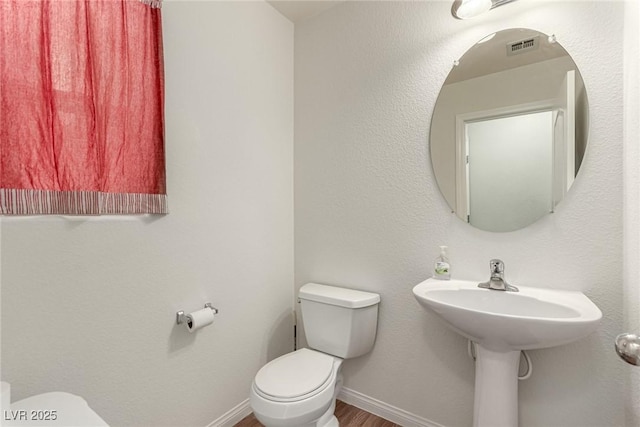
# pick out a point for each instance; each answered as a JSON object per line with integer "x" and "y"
{"x": 510, "y": 169}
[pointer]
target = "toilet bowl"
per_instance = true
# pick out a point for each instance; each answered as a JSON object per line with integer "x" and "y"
{"x": 297, "y": 389}
{"x": 52, "y": 409}
{"x": 300, "y": 388}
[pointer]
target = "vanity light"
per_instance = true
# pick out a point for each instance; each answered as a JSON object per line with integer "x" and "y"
{"x": 466, "y": 9}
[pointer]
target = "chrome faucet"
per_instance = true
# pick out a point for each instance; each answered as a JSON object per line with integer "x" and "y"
{"x": 497, "y": 282}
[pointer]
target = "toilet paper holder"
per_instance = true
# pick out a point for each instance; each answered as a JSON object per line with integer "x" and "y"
{"x": 181, "y": 317}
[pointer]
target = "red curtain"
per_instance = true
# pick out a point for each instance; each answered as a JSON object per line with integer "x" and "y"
{"x": 81, "y": 107}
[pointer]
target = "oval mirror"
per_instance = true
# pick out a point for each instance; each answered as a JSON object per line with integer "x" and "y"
{"x": 509, "y": 130}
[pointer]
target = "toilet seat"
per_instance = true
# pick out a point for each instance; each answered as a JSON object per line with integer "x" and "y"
{"x": 295, "y": 389}
{"x": 295, "y": 376}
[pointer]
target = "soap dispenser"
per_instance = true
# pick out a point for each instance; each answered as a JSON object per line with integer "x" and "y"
{"x": 442, "y": 267}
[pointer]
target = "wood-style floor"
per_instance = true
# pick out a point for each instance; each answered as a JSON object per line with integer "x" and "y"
{"x": 348, "y": 416}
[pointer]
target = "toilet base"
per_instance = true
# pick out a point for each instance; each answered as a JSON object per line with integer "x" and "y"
{"x": 333, "y": 422}
{"x": 328, "y": 419}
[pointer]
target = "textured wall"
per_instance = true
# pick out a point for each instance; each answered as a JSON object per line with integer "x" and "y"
{"x": 369, "y": 214}
{"x": 632, "y": 199}
{"x": 88, "y": 306}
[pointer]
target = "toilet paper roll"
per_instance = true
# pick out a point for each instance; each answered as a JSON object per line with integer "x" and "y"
{"x": 199, "y": 319}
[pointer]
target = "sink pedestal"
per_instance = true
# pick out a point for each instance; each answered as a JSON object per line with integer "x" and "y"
{"x": 496, "y": 390}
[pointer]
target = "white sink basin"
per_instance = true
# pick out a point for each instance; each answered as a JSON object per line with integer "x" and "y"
{"x": 529, "y": 319}
{"x": 502, "y": 324}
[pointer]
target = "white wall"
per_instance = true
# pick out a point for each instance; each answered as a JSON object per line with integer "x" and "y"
{"x": 369, "y": 214}
{"x": 632, "y": 200}
{"x": 88, "y": 306}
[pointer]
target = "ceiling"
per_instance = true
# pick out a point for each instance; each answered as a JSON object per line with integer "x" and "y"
{"x": 299, "y": 10}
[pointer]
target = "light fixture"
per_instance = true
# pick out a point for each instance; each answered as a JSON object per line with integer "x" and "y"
{"x": 465, "y": 9}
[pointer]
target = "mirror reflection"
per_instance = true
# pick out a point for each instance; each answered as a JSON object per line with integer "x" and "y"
{"x": 509, "y": 130}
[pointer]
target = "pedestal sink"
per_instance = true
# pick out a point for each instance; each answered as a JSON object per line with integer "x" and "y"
{"x": 502, "y": 324}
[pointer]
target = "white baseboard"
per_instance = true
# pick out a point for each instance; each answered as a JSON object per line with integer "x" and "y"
{"x": 352, "y": 397}
{"x": 384, "y": 410}
{"x": 233, "y": 416}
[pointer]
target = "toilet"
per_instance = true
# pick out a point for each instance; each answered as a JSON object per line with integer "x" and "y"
{"x": 300, "y": 388}
{"x": 52, "y": 409}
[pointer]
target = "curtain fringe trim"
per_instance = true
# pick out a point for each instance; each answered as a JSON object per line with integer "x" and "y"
{"x": 156, "y": 4}
{"x": 44, "y": 202}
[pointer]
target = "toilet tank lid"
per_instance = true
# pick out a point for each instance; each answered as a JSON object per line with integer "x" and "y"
{"x": 334, "y": 295}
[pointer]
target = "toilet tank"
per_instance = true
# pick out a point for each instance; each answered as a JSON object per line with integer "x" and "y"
{"x": 339, "y": 321}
